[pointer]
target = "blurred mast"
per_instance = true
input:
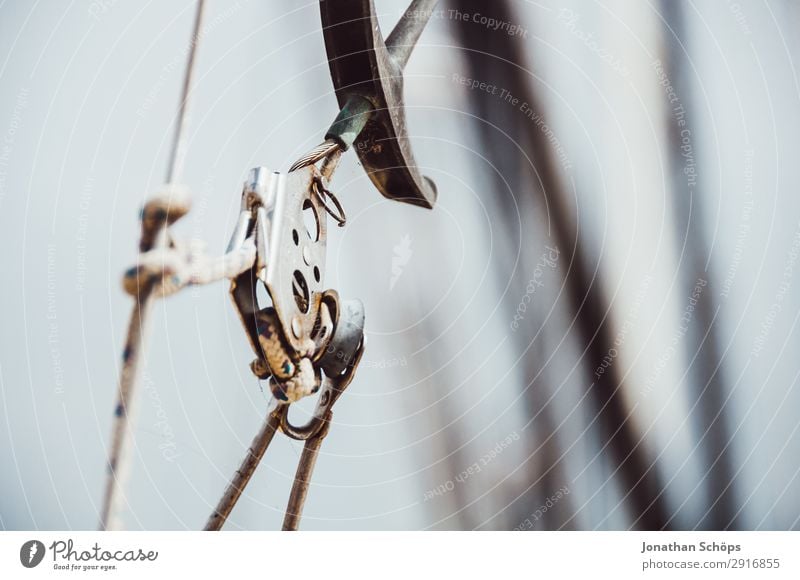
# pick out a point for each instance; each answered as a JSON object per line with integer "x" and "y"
{"x": 704, "y": 377}
{"x": 498, "y": 60}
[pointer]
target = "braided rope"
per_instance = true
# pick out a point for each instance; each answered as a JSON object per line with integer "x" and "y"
{"x": 293, "y": 379}
{"x": 160, "y": 211}
{"x": 166, "y": 209}
{"x": 167, "y": 270}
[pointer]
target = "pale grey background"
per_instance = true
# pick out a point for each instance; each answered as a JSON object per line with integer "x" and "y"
{"x": 85, "y": 110}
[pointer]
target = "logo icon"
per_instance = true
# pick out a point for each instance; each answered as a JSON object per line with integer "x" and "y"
{"x": 402, "y": 254}
{"x": 31, "y": 553}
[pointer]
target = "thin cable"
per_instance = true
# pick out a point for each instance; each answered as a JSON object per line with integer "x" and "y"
{"x": 117, "y": 467}
{"x": 254, "y": 454}
{"x": 321, "y": 151}
{"x": 302, "y": 480}
{"x": 175, "y": 168}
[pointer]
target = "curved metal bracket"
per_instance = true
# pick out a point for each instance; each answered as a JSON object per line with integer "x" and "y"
{"x": 364, "y": 65}
{"x": 332, "y": 389}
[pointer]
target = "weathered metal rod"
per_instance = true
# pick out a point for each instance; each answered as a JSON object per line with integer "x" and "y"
{"x": 403, "y": 38}
{"x": 302, "y": 479}
{"x": 257, "y": 448}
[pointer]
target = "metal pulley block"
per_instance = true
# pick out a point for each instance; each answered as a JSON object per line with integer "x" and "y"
{"x": 290, "y": 262}
{"x": 296, "y": 261}
{"x": 306, "y": 329}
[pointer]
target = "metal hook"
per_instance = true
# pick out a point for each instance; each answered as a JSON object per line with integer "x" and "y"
{"x": 322, "y": 192}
